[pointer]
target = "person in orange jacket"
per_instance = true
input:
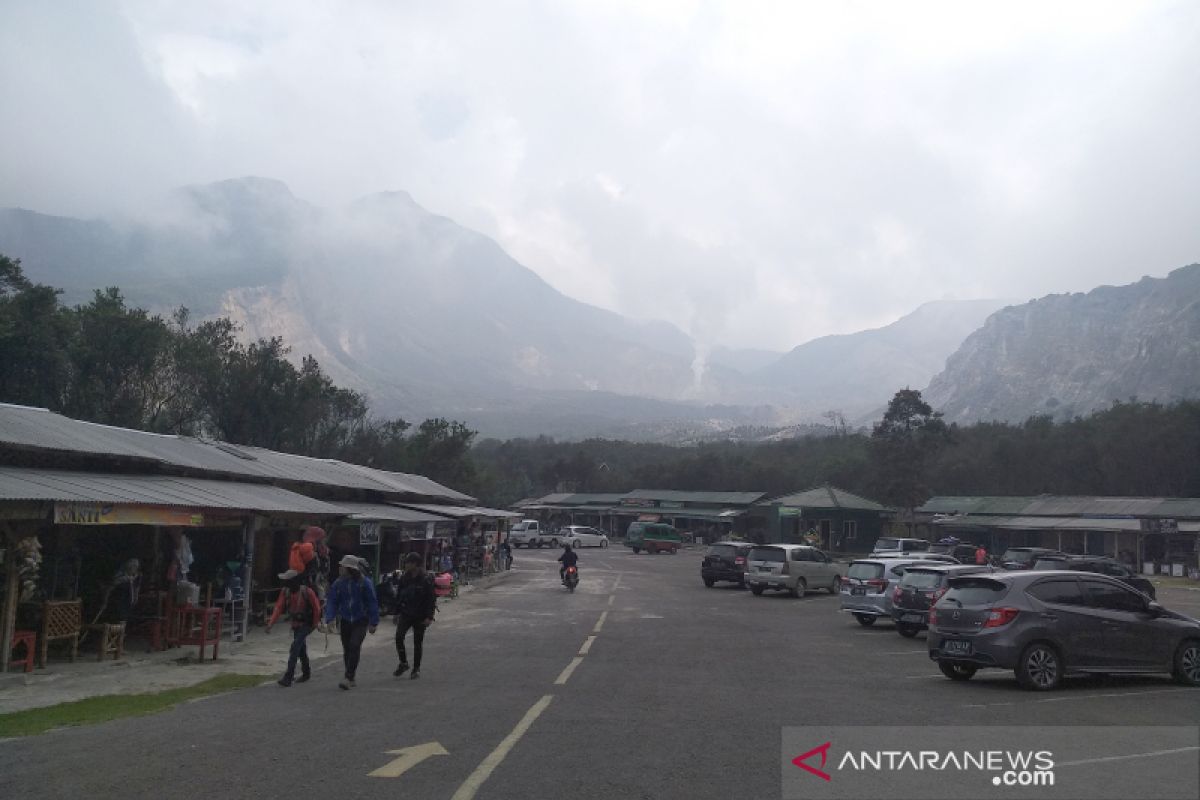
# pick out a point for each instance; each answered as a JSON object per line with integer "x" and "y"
{"x": 303, "y": 608}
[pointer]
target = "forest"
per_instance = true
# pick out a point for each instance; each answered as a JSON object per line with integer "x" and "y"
{"x": 106, "y": 362}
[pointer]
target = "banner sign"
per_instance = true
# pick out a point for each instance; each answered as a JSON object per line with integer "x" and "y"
{"x": 368, "y": 533}
{"x": 94, "y": 514}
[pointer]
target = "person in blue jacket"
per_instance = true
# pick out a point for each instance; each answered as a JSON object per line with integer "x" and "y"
{"x": 352, "y": 602}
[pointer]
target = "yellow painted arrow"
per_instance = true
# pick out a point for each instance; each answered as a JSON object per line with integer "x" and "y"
{"x": 408, "y": 757}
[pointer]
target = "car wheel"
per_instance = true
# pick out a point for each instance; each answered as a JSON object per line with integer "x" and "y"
{"x": 1039, "y": 668}
{"x": 866, "y": 620}
{"x": 956, "y": 671}
{"x": 907, "y": 631}
{"x": 756, "y": 588}
{"x": 836, "y": 586}
{"x": 604, "y": 542}
{"x": 709, "y": 582}
{"x": 801, "y": 588}
{"x": 1187, "y": 663}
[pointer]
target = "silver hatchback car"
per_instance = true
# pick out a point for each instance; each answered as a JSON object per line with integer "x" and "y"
{"x": 1046, "y": 625}
{"x": 866, "y": 590}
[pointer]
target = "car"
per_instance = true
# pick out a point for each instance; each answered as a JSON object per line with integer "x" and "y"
{"x": 1046, "y": 625}
{"x": 1099, "y": 564}
{"x": 582, "y": 536}
{"x": 795, "y": 568}
{"x": 529, "y": 533}
{"x": 920, "y": 587}
{"x": 898, "y": 545}
{"x": 1025, "y": 557}
{"x": 725, "y": 561}
{"x": 653, "y": 537}
{"x": 866, "y": 591}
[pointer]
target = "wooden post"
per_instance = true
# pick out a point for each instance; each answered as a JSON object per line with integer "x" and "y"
{"x": 12, "y": 587}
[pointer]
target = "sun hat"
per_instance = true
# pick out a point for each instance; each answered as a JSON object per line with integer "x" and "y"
{"x": 351, "y": 562}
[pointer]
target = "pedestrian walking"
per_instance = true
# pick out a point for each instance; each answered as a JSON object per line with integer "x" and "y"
{"x": 417, "y": 604}
{"x": 353, "y": 604}
{"x": 981, "y": 555}
{"x": 300, "y": 603}
{"x": 506, "y": 554}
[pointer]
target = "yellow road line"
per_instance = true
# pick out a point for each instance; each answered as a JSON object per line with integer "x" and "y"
{"x": 566, "y": 673}
{"x": 485, "y": 769}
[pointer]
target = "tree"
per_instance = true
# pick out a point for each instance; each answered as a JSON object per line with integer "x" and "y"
{"x": 441, "y": 450}
{"x": 904, "y": 444}
{"x": 34, "y": 336}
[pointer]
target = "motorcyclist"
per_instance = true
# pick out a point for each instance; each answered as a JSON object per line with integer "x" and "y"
{"x": 569, "y": 559}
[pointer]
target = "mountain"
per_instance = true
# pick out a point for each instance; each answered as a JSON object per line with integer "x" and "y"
{"x": 858, "y": 373}
{"x": 1070, "y": 354}
{"x": 425, "y": 316}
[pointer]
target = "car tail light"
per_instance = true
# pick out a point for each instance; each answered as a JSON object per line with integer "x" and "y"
{"x": 740, "y": 561}
{"x": 938, "y": 594}
{"x": 878, "y": 584}
{"x": 847, "y": 581}
{"x": 897, "y": 594}
{"x": 999, "y": 617}
{"x": 932, "y": 617}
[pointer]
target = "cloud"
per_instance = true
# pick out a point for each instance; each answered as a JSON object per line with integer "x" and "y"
{"x": 758, "y": 173}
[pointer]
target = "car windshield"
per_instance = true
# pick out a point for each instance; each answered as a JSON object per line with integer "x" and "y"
{"x": 887, "y": 544}
{"x": 1050, "y": 563}
{"x": 767, "y": 554}
{"x": 1016, "y": 554}
{"x": 865, "y": 570}
{"x": 921, "y": 579}
{"x": 723, "y": 550}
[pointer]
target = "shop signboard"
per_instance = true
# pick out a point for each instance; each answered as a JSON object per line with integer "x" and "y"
{"x": 368, "y": 533}
{"x": 670, "y": 504}
{"x": 97, "y": 514}
{"x": 637, "y": 502}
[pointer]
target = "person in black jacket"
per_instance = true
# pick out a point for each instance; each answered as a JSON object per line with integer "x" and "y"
{"x": 416, "y": 603}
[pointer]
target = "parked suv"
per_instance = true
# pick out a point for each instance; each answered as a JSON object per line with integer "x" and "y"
{"x": 796, "y": 568}
{"x": 921, "y": 587}
{"x": 867, "y": 589}
{"x": 1104, "y": 566}
{"x": 899, "y": 545}
{"x": 1025, "y": 557}
{"x": 1046, "y": 625}
{"x": 726, "y": 561}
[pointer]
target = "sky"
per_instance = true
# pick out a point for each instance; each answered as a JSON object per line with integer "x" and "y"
{"x": 758, "y": 173}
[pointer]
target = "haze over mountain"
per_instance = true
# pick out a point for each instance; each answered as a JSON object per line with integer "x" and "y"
{"x": 430, "y": 318}
{"x": 1070, "y": 354}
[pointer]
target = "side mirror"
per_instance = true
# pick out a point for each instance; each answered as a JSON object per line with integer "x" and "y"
{"x": 1154, "y": 609}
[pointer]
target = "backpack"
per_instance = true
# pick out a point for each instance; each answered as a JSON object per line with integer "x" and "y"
{"x": 304, "y": 612}
{"x": 412, "y": 597}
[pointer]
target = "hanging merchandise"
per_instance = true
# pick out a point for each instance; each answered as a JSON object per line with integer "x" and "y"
{"x": 28, "y": 559}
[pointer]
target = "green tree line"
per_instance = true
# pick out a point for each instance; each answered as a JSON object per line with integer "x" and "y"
{"x": 106, "y": 362}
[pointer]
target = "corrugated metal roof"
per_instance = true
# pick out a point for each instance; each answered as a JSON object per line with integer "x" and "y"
{"x": 1039, "y": 523}
{"x": 458, "y": 512}
{"x": 387, "y": 513}
{"x": 1067, "y": 506}
{"x": 39, "y": 429}
{"x": 726, "y": 514}
{"x": 826, "y": 497}
{"x": 713, "y": 498}
{"x": 17, "y": 483}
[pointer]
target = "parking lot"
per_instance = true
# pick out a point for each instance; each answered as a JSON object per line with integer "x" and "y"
{"x": 643, "y": 683}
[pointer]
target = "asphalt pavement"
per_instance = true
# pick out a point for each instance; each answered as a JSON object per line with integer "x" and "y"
{"x": 641, "y": 684}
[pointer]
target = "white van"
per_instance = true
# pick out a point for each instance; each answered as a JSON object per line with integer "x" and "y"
{"x": 529, "y": 533}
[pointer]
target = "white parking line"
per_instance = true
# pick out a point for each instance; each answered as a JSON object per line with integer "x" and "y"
{"x": 475, "y": 780}
{"x": 600, "y": 622}
{"x": 1125, "y": 757}
{"x": 1078, "y": 697}
{"x": 587, "y": 645}
{"x": 611, "y": 598}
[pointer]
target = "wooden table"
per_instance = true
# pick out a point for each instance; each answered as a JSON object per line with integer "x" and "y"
{"x": 197, "y": 625}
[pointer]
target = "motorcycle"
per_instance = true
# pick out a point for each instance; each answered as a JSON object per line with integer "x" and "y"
{"x": 571, "y": 579}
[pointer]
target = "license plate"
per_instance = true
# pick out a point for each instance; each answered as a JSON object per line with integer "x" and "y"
{"x": 957, "y": 647}
{"x": 914, "y": 618}
{"x": 858, "y": 590}
{"x": 765, "y": 569}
